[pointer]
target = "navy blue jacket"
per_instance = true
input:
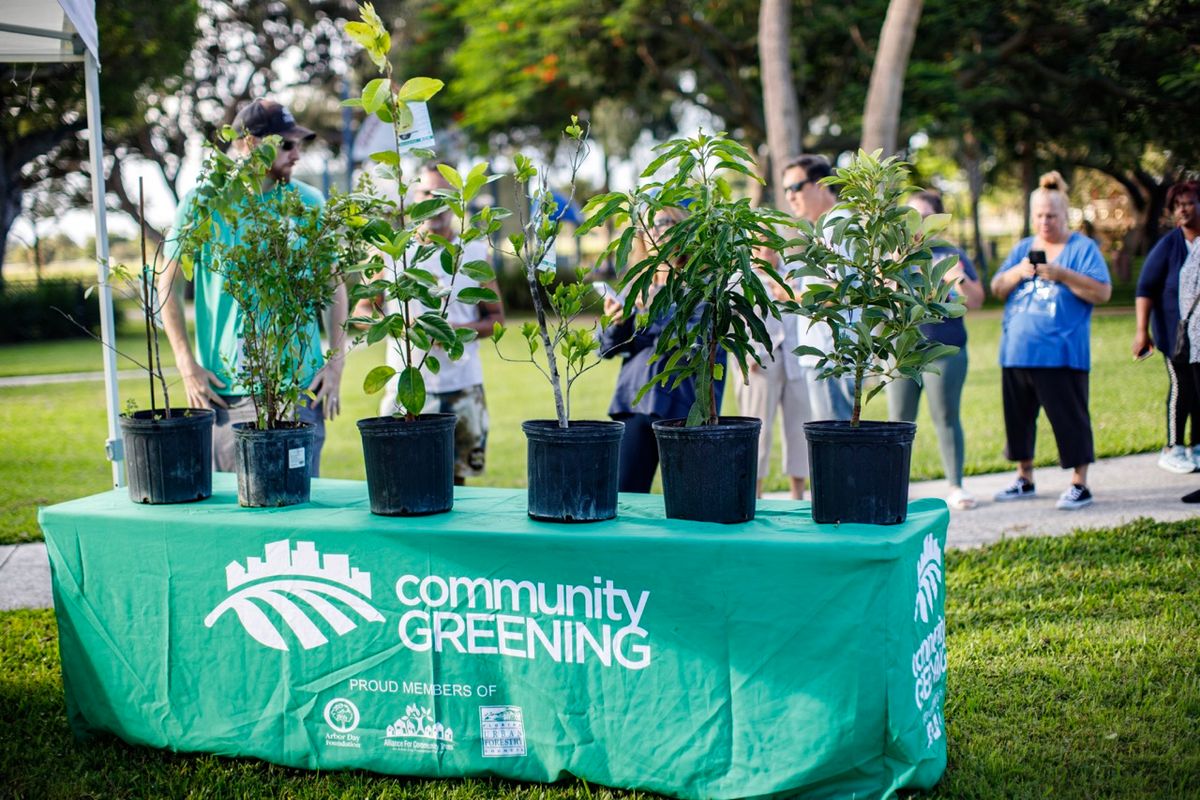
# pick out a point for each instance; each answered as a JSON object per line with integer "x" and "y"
{"x": 638, "y": 348}
{"x": 1159, "y": 281}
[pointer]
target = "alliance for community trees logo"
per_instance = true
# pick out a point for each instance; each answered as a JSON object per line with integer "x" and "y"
{"x": 417, "y": 730}
{"x": 287, "y": 576}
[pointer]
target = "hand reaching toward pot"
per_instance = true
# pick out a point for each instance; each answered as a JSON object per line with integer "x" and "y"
{"x": 327, "y": 386}
{"x": 198, "y": 383}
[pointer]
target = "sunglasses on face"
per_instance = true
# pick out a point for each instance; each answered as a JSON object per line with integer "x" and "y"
{"x": 663, "y": 224}
{"x": 287, "y": 145}
{"x": 794, "y": 188}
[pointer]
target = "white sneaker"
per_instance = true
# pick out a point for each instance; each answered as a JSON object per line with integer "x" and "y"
{"x": 1177, "y": 459}
{"x": 960, "y": 500}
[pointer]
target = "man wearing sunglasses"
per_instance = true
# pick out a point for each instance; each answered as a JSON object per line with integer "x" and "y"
{"x": 207, "y": 379}
{"x": 832, "y": 398}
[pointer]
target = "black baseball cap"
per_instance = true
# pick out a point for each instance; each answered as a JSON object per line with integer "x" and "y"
{"x": 266, "y": 117}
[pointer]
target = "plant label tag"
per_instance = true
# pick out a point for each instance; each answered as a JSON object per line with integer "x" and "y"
{"x": 420, "y": 135}
{"x": 549, "y": 262}
{"x": 296, "y": 458}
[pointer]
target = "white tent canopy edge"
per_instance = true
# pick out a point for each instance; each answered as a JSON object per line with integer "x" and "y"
{"x": 39, "y": 31}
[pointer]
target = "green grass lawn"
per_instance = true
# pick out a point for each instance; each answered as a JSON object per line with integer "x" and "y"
{"x": 1073, "y": 673}
{"x": 52, "y": 437}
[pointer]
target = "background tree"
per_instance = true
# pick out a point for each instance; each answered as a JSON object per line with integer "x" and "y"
{"x": 142, "y": 44}
{"x": 881, "y": 113}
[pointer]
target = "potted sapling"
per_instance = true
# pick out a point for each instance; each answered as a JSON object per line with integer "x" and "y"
{"x": 700, "y": 283}
{"x": 572, "y": 464}
{"x": 872, "y": 278}
{"x": 281, "y": 260}
{"x": 168, "y": 451}
{"x": 419, "y": 273}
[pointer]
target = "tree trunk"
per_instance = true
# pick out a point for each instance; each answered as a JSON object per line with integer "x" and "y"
{"x": 1029, "y": 182}
{"x": 974, "y": 168}
{"x": 11, "y": 195}
{"x": 881, "y": 114}
{"x": 780, "y": 106}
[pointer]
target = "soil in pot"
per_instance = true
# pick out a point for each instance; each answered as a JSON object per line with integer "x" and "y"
{"x": 410, "y": 464}
{"x": 168, "y": 459}
{"x": 273, "y": 466}
{"x": 573, "y": 471}
{"x": 709, "y": 472}
{"x": 860, "y": 474}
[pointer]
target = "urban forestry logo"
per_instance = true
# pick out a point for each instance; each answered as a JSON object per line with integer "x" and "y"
{"x": 277, "y": 587}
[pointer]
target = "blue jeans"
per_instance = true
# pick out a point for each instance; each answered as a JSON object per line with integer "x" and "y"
{"x": 241, "y": 409}
{"x": 945, "y": 400}
{"x": 829, "y": 398}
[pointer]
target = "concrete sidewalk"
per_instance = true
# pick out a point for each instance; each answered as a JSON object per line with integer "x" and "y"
{"x": 1125, "y": 488}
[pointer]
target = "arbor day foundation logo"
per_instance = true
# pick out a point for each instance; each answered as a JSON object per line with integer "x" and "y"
{"x": 289, "y": 575}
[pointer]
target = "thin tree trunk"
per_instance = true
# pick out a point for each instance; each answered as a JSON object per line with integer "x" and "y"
{"x": 1029, "y": 182}
{"x": 972, "y": 161}
{"x": 881, "y": 114}
{"x": 780, "y": 106}
{"x": 11, "y": 194}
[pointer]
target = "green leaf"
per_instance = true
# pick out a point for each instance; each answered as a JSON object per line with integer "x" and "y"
{"x": 433, "y": 365}
{"x": 477, "y": 294}
{"x": 451, "y": 175}
{"x": 419, "y": 90}
{"x": 388, "y": 157}
{"x": 478, "y": 270}
{"x": 437, "y": 327}
{"x": 498, "y": 332}
{"x": 377, "y": 378}
{"x": 410, "y": 390}
{"x": 375, "y": 94}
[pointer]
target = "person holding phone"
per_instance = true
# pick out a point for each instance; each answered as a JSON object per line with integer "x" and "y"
{"x": 1158, "y": 311}
{"x": 1049, "y": 282}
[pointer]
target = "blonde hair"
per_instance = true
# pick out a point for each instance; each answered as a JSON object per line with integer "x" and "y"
{"x": 1053, "y": 189}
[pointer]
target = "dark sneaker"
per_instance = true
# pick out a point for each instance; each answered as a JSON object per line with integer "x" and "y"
{"x": 1021, "y": 489}
{"x": 1075, "y": 497}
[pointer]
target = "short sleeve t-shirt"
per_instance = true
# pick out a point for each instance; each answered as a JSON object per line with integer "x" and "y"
{"x": 951, "y": 331}
{"x": 1045, "y": 323}
{"x": 218, "y": 317}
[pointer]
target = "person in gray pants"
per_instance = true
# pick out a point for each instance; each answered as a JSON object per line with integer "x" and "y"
{"x": 946, "y": 384}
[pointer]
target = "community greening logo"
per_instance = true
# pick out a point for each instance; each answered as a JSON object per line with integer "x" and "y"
{"x": 287, "y": 577}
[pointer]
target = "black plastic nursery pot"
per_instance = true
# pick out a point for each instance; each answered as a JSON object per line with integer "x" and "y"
{"x": 410, "y": 464}
{"x": 860, "y": 474}
{"x": 168, "y": 459}
{"x": 273, "y": 466}
{"x": 573, "y": 471}
{"x": 709, "y": 472}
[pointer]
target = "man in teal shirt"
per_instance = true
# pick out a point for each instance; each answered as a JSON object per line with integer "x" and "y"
{"x": 207, "y": 375}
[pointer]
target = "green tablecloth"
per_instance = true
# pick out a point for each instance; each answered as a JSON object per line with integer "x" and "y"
{"x": 686, "y": 658}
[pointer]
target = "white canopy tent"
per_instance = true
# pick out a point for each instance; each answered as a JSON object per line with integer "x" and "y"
{"x": 65, "y": 31}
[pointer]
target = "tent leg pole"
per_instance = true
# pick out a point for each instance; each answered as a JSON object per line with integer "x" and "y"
{"x": 113, "y": 446}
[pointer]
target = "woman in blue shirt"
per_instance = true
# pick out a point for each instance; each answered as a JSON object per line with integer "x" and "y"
{"x": 1050, "y": 282}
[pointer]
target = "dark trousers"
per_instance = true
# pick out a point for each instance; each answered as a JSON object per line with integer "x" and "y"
{"x": 639, "y": 453}
{"x": 1183, "y": 400}
{"x": 1064, "y": 394}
